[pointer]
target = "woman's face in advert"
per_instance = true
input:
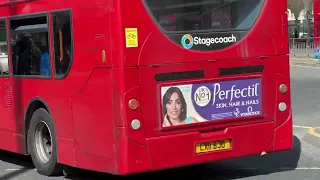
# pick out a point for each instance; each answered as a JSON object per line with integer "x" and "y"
{"x": 174, "y": 106}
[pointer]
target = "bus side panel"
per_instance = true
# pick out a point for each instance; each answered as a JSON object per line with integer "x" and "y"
{"x": 90, "y": 41}
{"x": 57, "y": 100}
{"x": 11, "y": 140}
{"x": 95, "y": 163}
{"x": 93, "y": 116}
{"x": 283, "y": 135}
{"x": 132, "y": 157}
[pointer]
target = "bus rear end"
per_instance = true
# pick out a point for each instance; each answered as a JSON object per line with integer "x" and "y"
{"x": 213, "y": 81}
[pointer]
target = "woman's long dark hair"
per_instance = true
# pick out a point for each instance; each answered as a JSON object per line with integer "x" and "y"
{"x": 166, "y": 99}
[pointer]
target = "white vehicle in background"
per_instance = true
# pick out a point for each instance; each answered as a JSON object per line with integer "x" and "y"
{"x": 4, "y": 66}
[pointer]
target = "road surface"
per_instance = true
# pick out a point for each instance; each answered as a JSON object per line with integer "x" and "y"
{"x": 302, "y": 162}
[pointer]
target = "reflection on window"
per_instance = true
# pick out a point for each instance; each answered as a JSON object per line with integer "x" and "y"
{"x": 30, "y": 46}
{"x": 185, "y": 15}
{"x": 62, "y": 42}
{"x": 4, "y": 63}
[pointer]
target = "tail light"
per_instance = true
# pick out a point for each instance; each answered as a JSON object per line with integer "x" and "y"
{"x": 133, "y": 115}
{"x": 135, "y": 124}
{"x": 282, "y": 106}
{"x": 283, "y": 100}
{"x": 283, "y": 88}
{"x": 133, "y": 104}
{"x": 283, "y": 124}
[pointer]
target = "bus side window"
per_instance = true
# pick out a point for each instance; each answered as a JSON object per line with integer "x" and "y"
{"x": 30, "y": 46}
{"x": 62, "y": 42}
{"x": 4, "y": 63}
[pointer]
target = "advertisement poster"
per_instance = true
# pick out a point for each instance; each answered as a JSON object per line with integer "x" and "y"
{"x": 195, "y": 103}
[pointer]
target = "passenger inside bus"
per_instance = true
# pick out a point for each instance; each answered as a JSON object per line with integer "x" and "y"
{"x": 45, "y": 60}
{"x": 29, "y": 46}
{"x": 27, "y": 55}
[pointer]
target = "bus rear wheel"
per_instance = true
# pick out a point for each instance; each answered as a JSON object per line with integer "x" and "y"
{"x": 42, "y": 144}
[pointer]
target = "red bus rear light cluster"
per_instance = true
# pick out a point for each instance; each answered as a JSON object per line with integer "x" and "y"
{"x": 283, "y": 88}
{"x": 135, "y": 124}
{"x": 133, "y": 104}
{"x": 283, "y": 101}
{"x": 282, "y": 106}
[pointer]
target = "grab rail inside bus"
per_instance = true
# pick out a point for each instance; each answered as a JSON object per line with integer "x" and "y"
{"x": 61, "y": 45}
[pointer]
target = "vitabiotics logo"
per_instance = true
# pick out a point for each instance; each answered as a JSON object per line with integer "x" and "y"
{"x": 188, "y": 41}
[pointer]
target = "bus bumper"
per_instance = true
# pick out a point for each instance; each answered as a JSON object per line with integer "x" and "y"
{"x": 179, "y": 150}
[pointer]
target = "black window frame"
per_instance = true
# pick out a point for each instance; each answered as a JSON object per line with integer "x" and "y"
{"x": 28, "y": 16}
{"x": 6, "y": 22}
{"x": 68, "y": 10}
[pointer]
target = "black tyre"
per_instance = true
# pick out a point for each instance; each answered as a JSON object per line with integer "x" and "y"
{"x": 42, "y": 144}
{"x": 68, "y": 171}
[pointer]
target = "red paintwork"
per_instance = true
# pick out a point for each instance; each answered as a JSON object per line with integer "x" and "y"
{"x": 89, "y": 106}
{"x": 246, "y": 140}
{"x": 316, "y": 18}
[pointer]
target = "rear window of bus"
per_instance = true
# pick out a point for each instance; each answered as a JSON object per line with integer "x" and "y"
{"x": 195, "y": 15}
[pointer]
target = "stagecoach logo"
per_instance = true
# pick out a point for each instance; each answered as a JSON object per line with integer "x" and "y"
{"x": 188, "y": 41}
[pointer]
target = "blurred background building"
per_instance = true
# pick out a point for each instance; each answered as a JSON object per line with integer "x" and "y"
{"x": 301, "y": 18}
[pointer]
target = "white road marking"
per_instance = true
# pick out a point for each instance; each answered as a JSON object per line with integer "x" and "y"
{"x": 308, "y": 168}
{"x": 12, "y": 169}
{"x": 282, "y": 168}
{"x": 311, "y": 67}
{"x": 303, "y": 127}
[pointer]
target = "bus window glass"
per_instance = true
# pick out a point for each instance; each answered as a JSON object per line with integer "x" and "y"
{"x": 62, "y": 42}
{"x": 189, "y": 15}
{"x": 4, "y": 63}
{"x": 30, "y": 46}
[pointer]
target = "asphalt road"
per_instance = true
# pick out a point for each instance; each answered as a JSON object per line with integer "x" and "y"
{"x": 302, "y": 162}
{"x": 305, "y": 94}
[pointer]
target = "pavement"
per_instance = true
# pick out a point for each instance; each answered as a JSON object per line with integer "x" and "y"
{"x": 302, "y": 162}
{"x": 305, "y": 61}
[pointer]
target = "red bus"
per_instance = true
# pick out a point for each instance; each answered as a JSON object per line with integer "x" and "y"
{"x": 126, "y": 87}
{"x": 316, "y": 18}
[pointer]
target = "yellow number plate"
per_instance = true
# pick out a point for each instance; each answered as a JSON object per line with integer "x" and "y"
{"x": 213, "y": 146}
